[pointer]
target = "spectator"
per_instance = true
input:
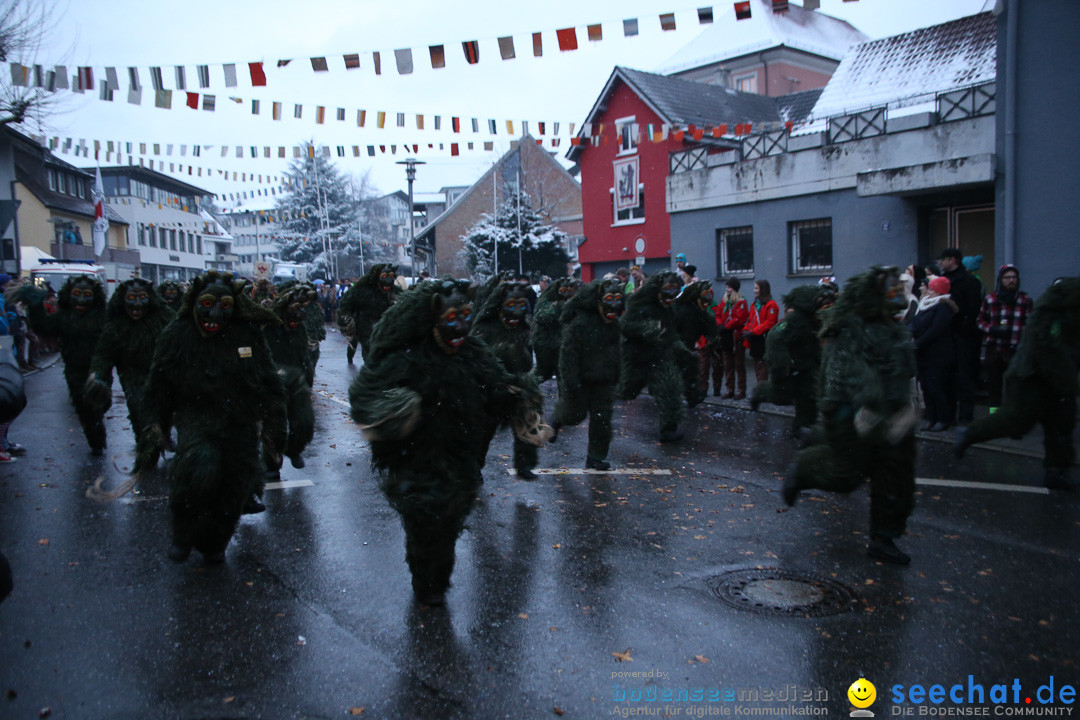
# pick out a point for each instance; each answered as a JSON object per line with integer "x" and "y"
{"x": 935, "y": 353}
{"x": 964, "y": 290}
{"x": 906, "y": 316}
{"x": 764, "y": 314}
{"x": 1001, "y": 318}
{"x": 637, "y": 278}
{"x": 9, "y": 383}
{"x": 624, "y": 277}
{"x": 688, "y": 274}
{"x": 731, "y": 316}
{"x": 680, "y": 261}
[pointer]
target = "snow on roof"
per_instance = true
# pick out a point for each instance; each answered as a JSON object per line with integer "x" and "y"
{"x": 807, "y": 30}
{"x": 912, "y": 66}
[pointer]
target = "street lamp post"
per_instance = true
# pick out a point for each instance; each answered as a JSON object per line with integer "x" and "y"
{"x": 410, "y": 174}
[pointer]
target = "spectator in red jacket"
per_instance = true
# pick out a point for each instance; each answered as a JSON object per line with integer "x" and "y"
{"x": 764, "y": 314}
{"x": 731, "y": 315}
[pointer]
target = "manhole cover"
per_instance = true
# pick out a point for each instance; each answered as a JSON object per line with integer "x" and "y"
{"x": 771, "y": 591}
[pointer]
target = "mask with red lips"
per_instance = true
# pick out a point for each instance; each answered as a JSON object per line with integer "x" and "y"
{"x": 514, "y": 308}
{"x": 82, "y": 297}
{"x": 214, "y": 308}
{"x": 612, "y": 301}
{"x": 387, "y": 278}
{"x": 453, "y": 318}
{"x": 705, "y": 299}
{"x": 137, "y": 300}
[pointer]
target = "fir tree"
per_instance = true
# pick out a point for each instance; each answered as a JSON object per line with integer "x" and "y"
{"x": 542, "y": 246}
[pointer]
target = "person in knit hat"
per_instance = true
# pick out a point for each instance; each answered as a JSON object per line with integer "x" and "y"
{"x": 1002, "y": 317}
{"x": 935, "y": 353}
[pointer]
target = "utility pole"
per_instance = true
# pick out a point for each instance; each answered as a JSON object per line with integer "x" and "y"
{"x": 410, "y": 175}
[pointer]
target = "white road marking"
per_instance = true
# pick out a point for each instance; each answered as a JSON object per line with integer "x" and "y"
{"x": 590, "y": 471}
{"x": 982, "y": 486}
{"x": 331, "y": 398}
{"x": 287, "y": 484}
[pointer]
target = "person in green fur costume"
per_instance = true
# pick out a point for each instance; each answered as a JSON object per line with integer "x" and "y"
{"x": 429, "y": 399}
{"x": 653, "y": 354}
{"x": 78, "y": 322}
{"x": 793, "y": 353}
{"x": 547, "y": 326}
{"x": 288, "y": 342}
{"x": 135, "y": 317}
{"x": 694, "y": 319}
{"x": 589, "y": 362}
{"x": 213, "y": 378}
{"x": 263, "y": 292}
{"x": 172, "y": 293}
{"x": 504, "y": 325}
{"x": 1041, "y": 385}
{"x": 364, "y": 303}
{"x": 864, "y": 396}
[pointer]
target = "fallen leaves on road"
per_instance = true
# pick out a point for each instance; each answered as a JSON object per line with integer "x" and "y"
{"x": 43, "y": 541}
{"x": 523, "y": 616}
{"x": 356, "y": 710}
{"x": 624, "y": 656}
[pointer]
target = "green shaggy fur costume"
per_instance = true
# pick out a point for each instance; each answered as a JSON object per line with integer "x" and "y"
{"x": 547, "y": 327}
{"x": 1041, "y": 384}
{"x": 429, "y": 416}
{"x": 171, "y": 293}
{"x": 78, "y": 334}
{"x": 362, "y": 306}
{"x": 866, "y": 369}
{"x": 653, "y": 354}
{"x": 694, "y": 318}
{"x": 288, "y": 343}
{"x": 589, "y": 365}
{"x": 793, "y": 352}
{"x": 127, "y": 344}
{"x": 511, "y": 346}
{"x": 215, "y": 390}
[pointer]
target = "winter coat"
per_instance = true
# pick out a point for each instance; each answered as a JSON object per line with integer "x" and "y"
{"x": 931, "y": 328}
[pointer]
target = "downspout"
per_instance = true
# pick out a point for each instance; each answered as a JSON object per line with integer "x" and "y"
{"x": 15, "y": 223}
{"x": 1011, "y": 84}
{"x": 765, "y": 64}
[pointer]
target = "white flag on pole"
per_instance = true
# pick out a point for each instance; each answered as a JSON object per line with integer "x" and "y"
{"x": 101, "y": 223}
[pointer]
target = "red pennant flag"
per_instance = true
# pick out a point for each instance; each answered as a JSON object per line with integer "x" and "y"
{"x": 454, "y": 149}
{"x": 788, "y": 125}
{"x": 258, "y": 77}
{"x": 699, "y": 133}
{"x": 719, "y": 130}
{"x": 747, "y": 127}
{"x": 455, "y": 123}
{"x": 678, "y": 135}
{"x": 575, "y": 140}
{"x": 352, "y": 61}
{"x": 567, "y": 39}
{"x": 541, "y": 124}
{"x": 538, "y": 45}
{"x": 438, "y": 56}
{"x": 86, "y": 78}
{"x": 472, "y": 51}
{"x": 742, "y": 10}
{"x": 596, "y": 33}
{"x": 193, "y": 100}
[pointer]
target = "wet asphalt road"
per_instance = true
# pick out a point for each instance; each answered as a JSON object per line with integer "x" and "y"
{"x": 563, "y": 586}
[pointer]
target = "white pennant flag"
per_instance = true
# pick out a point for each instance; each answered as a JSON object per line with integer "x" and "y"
{"x": 101, "y": 223}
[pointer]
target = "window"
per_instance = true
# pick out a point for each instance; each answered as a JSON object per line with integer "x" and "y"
{"x": 811, "y": 246}
{"x": 172, "y": 239}
{"x": 745, "y": 83}
{"x": 627, "y": 131}
{"x": 198, "y": 245}
{"x": 735, "y": 251}
{"x": 163, "y": 239}
{"x": 142, "y": 235}
{"x": 631, "y": 216}
{"x": 52, "y": 180}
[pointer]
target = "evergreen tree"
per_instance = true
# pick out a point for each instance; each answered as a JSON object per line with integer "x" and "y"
{"x": 516, "y": 226}
{"x": 320, "y": 212}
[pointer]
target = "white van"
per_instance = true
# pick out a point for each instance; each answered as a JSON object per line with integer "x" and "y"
{"x": 56, "y": 272}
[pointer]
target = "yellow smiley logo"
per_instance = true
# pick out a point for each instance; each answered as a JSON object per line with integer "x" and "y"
{"x": 862, "y": 693}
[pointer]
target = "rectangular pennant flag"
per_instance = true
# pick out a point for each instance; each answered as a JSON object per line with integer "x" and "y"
{"x": 404, "y": 61}
{"x": 667, "y": 21}
{"x": 376, "y": 59}
{"x": 163, "y": 99}
{"x": 506, "y": 47}
{"x": 596, "y": 33}
{"x": 276, "y": 111}
{"x": 298, "y": 111}
{"x": 454, "y": 151}
{"x": 318, "y": 64}
{"x": 704, "y": 15}
{"x": 742, "y": 10}
{"x": 380, "y": 119}
{"x": 510, "y": 127}
{"x": 491, "y": 127}
{"x": 630, "y": 27}
{"x": 133, "y": 78}
{"x": 567, "y": 39}
{"x": 352, "y": 61}
{"x": 361, "y": 118}
{"x": 438, "y": 56}
{"x": 135, "y": 96}
{"x": 455, "y": 124}
{"x": 62, "y": 77}
{"x": 204, "y": 75}
{"x": 475, "y": 125}
{"x": 419, "y": 122}
{"x": 230, "y": 74}
{"x": 320, "y": 114}
{"x": 401, "y": 119}
{"x": 341, "y": 114}
{"x": 181, "y": 77}
{"x": 111, "y": 81}
{"x": 193, "y": 100}
{"x": 779, "y": 6}
{"x": 258, "y": 75}
{"x": 438, "y": 122}
{"x": 19, "y": 74}
{"x": 254, "y": 107}
{"x": 86, "y": 78}
{"x": 472, "y": 51}
{"x": 538, "y": 45}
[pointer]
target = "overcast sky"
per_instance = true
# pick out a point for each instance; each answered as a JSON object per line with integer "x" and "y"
{"x": 557, "y": 87}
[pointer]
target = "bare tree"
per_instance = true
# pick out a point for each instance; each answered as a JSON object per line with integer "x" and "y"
{"x": 23, "y": 26}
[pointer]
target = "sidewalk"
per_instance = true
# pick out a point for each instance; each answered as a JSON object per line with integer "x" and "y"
{"x": 1030, "y": 446}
